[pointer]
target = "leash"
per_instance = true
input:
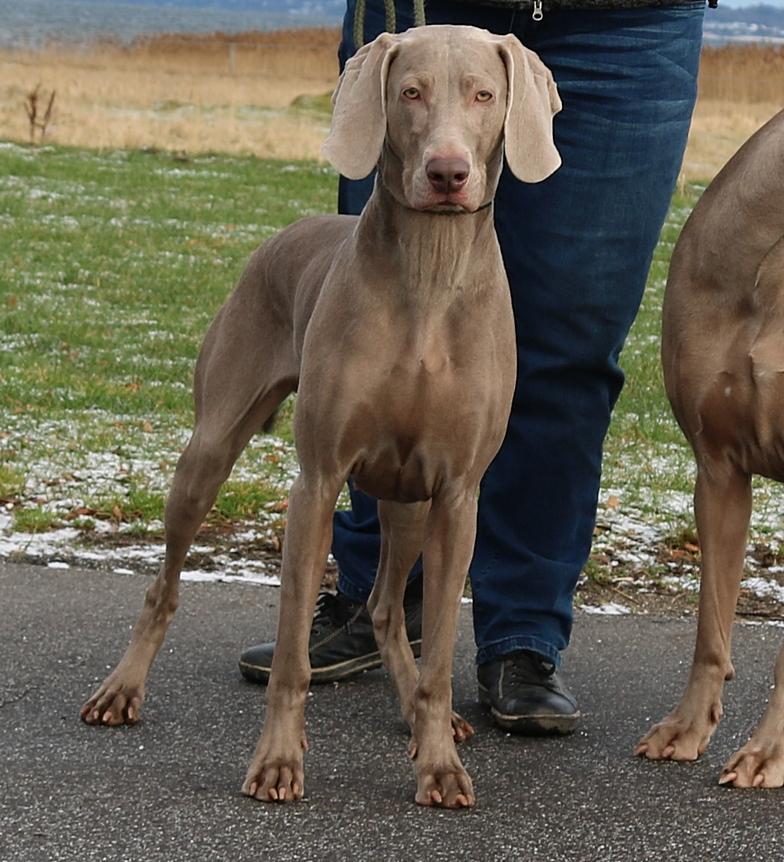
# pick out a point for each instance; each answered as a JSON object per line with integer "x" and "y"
{"x": 390, "y": 18}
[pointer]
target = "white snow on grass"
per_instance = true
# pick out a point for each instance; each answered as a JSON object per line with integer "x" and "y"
{"x": 764, "y": 588}
{"x": 613, "y": 609}
{"x": 247, "y": 577}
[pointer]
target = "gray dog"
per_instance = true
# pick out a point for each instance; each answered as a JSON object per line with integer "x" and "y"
{"x": 723, "y": 353}
{"x": 396, "y": 330}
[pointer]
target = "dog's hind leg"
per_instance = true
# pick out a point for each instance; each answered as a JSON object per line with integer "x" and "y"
{"x": 402, "y": 538}
{"x": 722, "y": 505}
{"x": 238, "y": 388}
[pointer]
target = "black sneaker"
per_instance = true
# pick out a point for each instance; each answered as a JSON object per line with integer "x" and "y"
{"x": 342, "y": 643}
{"x": 527, "y": 696}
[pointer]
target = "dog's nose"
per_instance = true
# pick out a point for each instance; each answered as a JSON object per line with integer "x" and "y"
{"x": 447, "y": 175}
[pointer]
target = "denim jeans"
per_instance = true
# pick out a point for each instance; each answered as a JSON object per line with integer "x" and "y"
{"x": 577, "y": 249}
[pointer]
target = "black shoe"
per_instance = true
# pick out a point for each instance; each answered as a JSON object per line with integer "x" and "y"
{"x": 342, "y": 643}
{"x": 526, "y": 695}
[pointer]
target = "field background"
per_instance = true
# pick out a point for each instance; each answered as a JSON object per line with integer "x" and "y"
{"x": 167, "y": 162}
{"x": 267, "y": 94}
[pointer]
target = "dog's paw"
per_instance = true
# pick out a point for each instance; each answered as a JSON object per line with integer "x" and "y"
{"x": 760, "y": 763}
{"x": 679, "y": 737}
{"x": 461, "y": 729}
{"x": 116, "y": 701}
{"x": 445, "y": 787}
{"x": 276, "y": 778}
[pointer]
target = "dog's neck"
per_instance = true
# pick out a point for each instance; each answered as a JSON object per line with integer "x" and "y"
{"x": 434, "y": 255}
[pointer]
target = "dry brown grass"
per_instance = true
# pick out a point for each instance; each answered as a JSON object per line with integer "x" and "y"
{"x": 743, "y": 74}
{"x": 741, "y": 88}
{"x": 234, "y": 94}
{"x": 191, "y": 93}
{"x": 718, "y": 130}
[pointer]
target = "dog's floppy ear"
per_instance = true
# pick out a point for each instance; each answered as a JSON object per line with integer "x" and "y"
{"x": 359, "y": 117}
{"x": 531, "y": 103}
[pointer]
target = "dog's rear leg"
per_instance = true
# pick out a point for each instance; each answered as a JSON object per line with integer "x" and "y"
{"x": 201, "y": 470}
{"x": 233, "y": 400}
{"x": 402, "y": 537}
{"x": 722, "y": 506}
{"x": 276, "y": 771}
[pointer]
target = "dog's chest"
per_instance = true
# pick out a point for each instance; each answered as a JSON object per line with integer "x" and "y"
{"x": 406, "y": 396}
{"x": 432, "y": 419}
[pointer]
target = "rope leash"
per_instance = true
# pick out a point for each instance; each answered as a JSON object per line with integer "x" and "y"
{"x": 390, "y": 17}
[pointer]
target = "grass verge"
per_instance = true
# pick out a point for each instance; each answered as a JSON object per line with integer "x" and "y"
{"x": 113, "y": 265}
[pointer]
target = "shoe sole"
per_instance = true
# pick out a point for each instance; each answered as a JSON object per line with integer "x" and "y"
{"x": 331, "y": 673}
{"x": 545, "y": 724}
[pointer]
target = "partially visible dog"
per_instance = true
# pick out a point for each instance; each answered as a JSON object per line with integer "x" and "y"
{"x": 723, "y": 354}
{"x": 396, "y": 329}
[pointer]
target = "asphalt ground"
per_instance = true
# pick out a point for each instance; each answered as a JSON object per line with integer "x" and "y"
{"x": 168, "y": 789}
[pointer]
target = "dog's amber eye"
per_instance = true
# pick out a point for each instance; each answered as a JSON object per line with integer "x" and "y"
{"x": 484, "y": 96}
{"x": 411, "y": 93}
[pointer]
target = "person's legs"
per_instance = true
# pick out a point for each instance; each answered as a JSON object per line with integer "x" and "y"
{"x": 577, "y": 249}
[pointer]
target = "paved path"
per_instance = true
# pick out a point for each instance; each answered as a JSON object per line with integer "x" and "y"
{"x": 168, "y": 789}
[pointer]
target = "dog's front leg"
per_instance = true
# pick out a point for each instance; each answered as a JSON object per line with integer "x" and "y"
{"x": 760, "y": 763}
{"x": 276, "y": 771}
{"x": 722, "y": 503}
{"x": 449, "y": 545}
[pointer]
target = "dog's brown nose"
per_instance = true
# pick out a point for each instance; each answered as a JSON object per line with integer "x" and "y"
{"x": 447, "y": 175}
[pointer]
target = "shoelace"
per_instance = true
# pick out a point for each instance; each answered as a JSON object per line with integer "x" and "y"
{"x": 525, "y": 668}
{"x": 331, "y": 611}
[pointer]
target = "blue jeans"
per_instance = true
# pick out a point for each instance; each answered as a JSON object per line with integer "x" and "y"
{"x": 577, "y": 249}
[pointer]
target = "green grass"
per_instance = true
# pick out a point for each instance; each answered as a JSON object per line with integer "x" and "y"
{"x": 35, "y": 520}
{"x": 646, "y": 456}
{"x": 12, "y": 482}
{"x": 112, "y": 266}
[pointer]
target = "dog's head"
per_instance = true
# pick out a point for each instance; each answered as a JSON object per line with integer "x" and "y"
{"x": 433, "y": 106}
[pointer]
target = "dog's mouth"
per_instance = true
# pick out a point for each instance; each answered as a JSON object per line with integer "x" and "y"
{"x": 447, "y": 204}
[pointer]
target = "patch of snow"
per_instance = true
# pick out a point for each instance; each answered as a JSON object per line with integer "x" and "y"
{"x": 776, "y": 624}
{"x": 764, "y": 588}
{"x": 613, "y": 609}
{"x": 200, "y": 576}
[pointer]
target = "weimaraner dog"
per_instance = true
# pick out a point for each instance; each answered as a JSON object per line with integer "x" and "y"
{"x": 396, "y": 330}
{"x": 723, "y": 354}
